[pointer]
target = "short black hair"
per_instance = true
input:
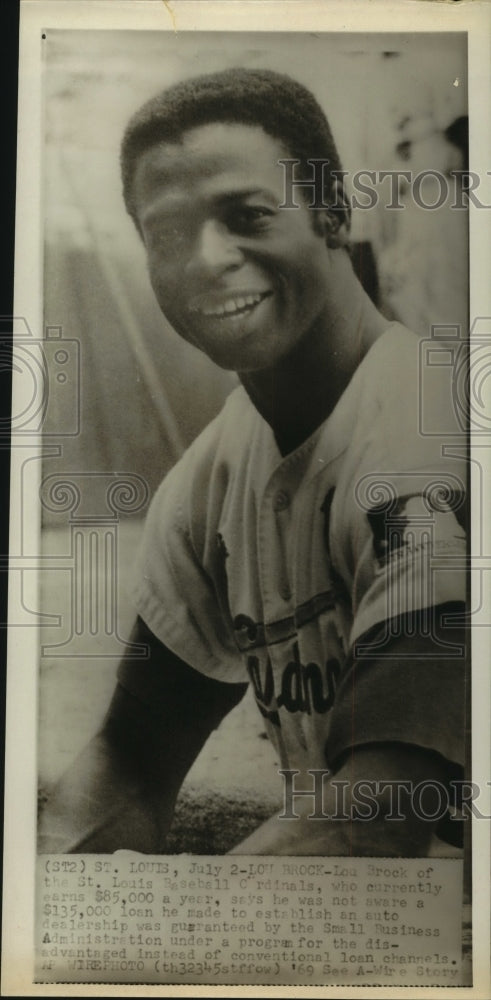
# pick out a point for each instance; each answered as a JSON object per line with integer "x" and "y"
{"x": 284, "y": 108}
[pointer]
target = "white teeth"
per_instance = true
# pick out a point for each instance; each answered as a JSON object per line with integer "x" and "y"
{"x": 231, "y": 306}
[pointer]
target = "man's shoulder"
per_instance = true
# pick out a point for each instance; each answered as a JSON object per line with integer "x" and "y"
{"x": 414, "y": 378}
{"x": 223, "y": 446}
{"x": 396, "y": 415}
{"x": 397, "y": 385}
{"x": 391, "y": 358}
{"x": 229, "y": 430}
{"x": 379, "y": 391}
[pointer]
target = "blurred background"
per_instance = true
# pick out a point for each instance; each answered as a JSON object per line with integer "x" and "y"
{"x": 394, "y": 102}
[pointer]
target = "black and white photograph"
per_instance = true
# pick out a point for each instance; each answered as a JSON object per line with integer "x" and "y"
{"x": 246, "y": 509}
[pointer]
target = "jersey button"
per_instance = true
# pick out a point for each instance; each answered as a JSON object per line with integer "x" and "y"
{"x": 281, "y": 500}
{"x": 285, "y": 592}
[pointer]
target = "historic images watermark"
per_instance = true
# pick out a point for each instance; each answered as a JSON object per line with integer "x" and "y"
{"x": 365, "y": 800}
{"x": 428, "y": 189}
{"x": 49, "y": 380}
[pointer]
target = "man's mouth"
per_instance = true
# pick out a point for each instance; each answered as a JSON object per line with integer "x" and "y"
{"x": 231, "y": 308}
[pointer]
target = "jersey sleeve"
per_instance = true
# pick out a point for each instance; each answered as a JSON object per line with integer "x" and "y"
{"x": 398, "y": 523}
{"x": 408, "y": 689}
{"x": 175, "y": 588}
{"x": 398, "y": 540}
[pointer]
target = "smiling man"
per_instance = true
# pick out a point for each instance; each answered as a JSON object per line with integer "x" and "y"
{"x": 310, "y": 541}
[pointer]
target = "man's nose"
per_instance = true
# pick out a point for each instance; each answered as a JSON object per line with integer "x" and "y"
{"x": 216, "y": 249}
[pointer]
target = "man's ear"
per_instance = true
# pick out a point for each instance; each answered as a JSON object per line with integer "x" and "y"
{"x": 334, "y": 222}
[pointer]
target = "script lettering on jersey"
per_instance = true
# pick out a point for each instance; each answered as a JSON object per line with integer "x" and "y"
{"x": 303, "y": 687}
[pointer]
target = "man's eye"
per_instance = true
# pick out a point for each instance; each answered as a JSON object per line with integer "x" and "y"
{"x": 248, "y": 219}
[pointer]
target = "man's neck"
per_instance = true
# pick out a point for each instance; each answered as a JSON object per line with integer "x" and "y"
{"x": 297, "y": 395}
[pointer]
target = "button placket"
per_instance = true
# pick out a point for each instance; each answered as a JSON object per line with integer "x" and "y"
{"x": 275, "y": 514}
{"x": 281, "y": 504}
{"x": 272, "y": 552}
{"x": 281, "y": 501}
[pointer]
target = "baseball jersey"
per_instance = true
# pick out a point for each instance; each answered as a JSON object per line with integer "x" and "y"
{"x": 281, "y": 571}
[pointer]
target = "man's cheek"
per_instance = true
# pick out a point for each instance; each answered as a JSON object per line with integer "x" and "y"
{"x": 162, "y": 291}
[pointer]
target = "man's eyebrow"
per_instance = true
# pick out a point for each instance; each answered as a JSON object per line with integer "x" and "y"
{"x": 234, "y": 194}
{"x": 246, "y": 192}
{"x": 169, "y": 203}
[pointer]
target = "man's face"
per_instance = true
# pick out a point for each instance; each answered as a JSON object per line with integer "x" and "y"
{"x": 237, "y": 277}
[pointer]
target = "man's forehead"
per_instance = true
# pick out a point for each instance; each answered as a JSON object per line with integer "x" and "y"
{"x": 205, "y": 151}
